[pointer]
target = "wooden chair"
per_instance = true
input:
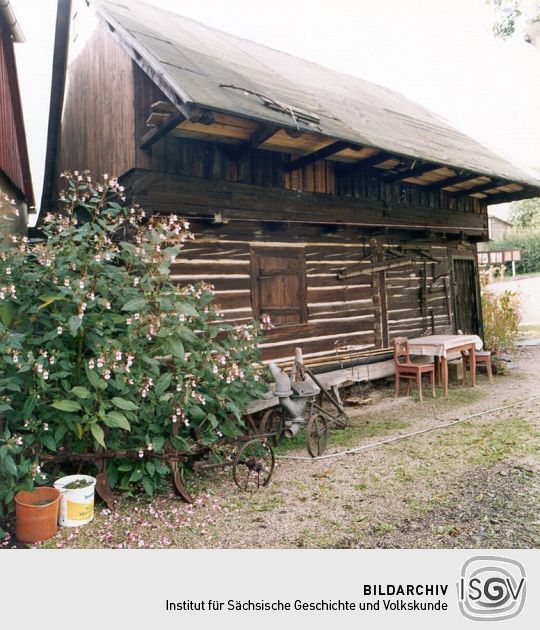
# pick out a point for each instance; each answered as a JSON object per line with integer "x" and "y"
{"x": 483, "y": 357}
{"x": 406, "y": 369}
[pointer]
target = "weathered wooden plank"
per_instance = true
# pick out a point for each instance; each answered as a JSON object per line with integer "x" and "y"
{"x": 244, "y": 202}
{"x": 311, "y": 346}
{"x": 316, "y": 156}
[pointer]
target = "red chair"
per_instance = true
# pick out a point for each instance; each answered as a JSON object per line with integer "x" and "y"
{"x": 483, "y": 357}
{"x": 406, "y": 369}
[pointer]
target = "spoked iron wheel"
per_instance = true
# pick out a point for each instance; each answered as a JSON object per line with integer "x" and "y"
{"x": 253, "y": 465}
{"x": 316, "y": 435}
{"x": 272, "y": 424}
{"x": 342, "y": 421}
{"x": 179, "y": 482}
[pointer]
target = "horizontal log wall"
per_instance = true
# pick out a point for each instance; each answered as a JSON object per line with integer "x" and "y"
{"x": 340, "y": 312}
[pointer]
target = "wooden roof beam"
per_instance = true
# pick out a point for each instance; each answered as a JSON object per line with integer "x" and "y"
{"x": 415, "y": 171}
{"x": 261, "y": 135}
{"x": 478, "y": 189}
{"x": 317, "y": 156}
{"x": 158, "y": 132}
{"x": 451, "y": 181}
{"x": 516, "y": 195}
{"x": 373, "y": 160}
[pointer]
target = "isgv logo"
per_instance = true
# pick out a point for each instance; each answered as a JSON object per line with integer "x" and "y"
{"x": 491, "y": 588}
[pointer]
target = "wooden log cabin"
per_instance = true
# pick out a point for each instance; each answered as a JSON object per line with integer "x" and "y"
{"x": 15, "y": 181}
{"x": 343, "y": 210}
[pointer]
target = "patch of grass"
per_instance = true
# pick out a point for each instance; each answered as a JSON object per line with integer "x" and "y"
{"x": 489, "y": 443}
{"x": 403, "y": 476}
{"x": 384, "y": 528}
{"x": 348, "y": 437}
{"x": 457, "y": 395}
{"x": 360, "y": 486}
{"x": 267, "y": 503}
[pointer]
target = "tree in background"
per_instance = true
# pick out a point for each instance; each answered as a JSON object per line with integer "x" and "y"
{"x": 525, "y": 214}
{"x": 512, "y": 13}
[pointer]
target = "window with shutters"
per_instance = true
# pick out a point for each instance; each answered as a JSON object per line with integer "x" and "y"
{"x": 278, "y": 284}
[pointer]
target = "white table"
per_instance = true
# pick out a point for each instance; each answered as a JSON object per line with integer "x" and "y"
{"x": 441, "y": 346}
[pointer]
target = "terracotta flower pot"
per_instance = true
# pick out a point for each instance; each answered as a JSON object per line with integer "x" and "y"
{"x": 37, "y": 514}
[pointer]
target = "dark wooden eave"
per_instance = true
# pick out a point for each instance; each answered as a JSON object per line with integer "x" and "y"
{"x": 494, "y": 183}
{"x": 317, "y": 156}
{"x": 158, "y": 132}
{"x": 373, "y": 160}
{"x": 235, "y": 201}
{"x": 451, "y": 181}
{"x": 258, "y": 137}
{"x": 506, "y": 197}
{"x": 415, "y": 171}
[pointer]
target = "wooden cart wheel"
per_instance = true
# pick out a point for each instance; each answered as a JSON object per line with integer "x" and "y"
{"x": 179, "y": 482}
{"x": 316, "y": 435}
{"x": 273, "y": 425}
{"x": 342, "y": 421}
{"x": 253, "y": 465}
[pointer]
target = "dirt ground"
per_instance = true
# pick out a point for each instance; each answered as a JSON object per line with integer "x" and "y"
{"x": 474, "y": 484}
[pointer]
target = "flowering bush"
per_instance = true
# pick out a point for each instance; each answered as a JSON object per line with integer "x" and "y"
{"x": 501, "y": 314}
{"x": 99, "y": 349}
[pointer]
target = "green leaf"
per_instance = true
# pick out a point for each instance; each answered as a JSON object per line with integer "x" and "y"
{"x": 10, "y": 465}
{"x": 60, "y": 431}
{"x": 74, "y": 324}
{"x": 94, "y": 379}
{"x": 124, "y": 404}
{"x": 148, "y": 486}
{"x": 66, "y": 405}
{"x": 188, "y": 335}
{"x": 134, "y": 305}
{"x": 136, "y": 475}
{"x": 196, "y": 413}
{"x": 7, "y": 311}
{"x": 163, "y": 383}
{"x": 81, "y": 392}
{"x": 158, "y": 443}
{"x": 98, "y": 434}
{"x": 117, "y": 420}
{"x": 150, "y": 467}
{"x": 175, "y": 347}
{"x": 49, "y": 441}
{"x": 48, "y": 299}
{"x": 187, "y": 309}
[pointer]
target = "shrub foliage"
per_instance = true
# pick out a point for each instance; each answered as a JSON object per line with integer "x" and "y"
{"x": 501, "y": 315}
{"x": 100, "y": 349}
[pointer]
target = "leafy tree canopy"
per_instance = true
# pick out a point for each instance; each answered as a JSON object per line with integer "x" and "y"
{"x": 512, "y": 13}
{"x": 525, "y": 214}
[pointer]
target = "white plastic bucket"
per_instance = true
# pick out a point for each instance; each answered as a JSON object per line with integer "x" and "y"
{"x": 77, "y": 504}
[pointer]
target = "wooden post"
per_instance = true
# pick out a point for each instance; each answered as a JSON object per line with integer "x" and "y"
{"x": 298, "y": 364}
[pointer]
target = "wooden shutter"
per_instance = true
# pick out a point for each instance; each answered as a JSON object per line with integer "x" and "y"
{"x": 278, "y": 284}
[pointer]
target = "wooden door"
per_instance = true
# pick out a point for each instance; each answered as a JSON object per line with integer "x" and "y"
{"x": 278, "y": 284}
{"x": 466, "y": 297}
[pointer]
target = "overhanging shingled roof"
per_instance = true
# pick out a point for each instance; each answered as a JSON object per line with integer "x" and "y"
{"x": 214, "y": 70}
